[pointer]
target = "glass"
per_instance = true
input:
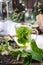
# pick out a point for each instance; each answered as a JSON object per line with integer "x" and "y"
{"x": 29, "y": 16}
{"x": 8, "y": 8}
{"x": 25, "y": 25}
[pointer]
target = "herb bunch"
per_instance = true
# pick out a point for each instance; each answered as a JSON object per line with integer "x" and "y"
{"x": 23, "y": 34}
{"x": 17, "y": 16}
{"x": 27, "y": 56}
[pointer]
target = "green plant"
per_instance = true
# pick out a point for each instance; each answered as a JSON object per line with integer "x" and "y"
{"x": 27, "y": 56}
{"x": 35, "y": 53}
{"x": 17, "y": 17}
{"x": 23, "y": 34}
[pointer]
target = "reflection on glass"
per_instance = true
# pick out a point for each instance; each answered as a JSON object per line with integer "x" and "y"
{"x": 29, "y": 16}
{"x": 9, "y": 7}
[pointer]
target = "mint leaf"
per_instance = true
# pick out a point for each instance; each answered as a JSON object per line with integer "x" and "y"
{"x": 35, "y": 48}
{"x": 27, "y": 60}
{"x": 16, "y": 16}
{"x": 23, "y": 34}
{"x": 36, "y": 56}
{"x": 24, "y": 54}
{"x": 14, "y": 53}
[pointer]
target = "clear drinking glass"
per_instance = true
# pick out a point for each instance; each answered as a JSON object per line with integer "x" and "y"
{"x": 8, "y": 8}
{"x": 29, "y": 16}
{"x": 30, "y": 27}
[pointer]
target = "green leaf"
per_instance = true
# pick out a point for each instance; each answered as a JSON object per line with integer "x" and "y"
{"x": 35, "y": 47}
{"x": 23, "y": 34}
{"x": 27, "y": 60}
{"x": 6, "y": 39}
{"x": 14, "y": 53}
{"x": 36, "y": 56}
{"x": 24, "y": 54}
{"x": 16, "y": 17}
{"x": 0, "y": 48}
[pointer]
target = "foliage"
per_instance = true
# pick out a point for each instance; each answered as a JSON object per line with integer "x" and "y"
{"x": 35, "y": 48}
{"x": 23, "y": 34}
{"x": 35, "y": 54}
{"x": 27, "y": 60}
{"x": 16, "y": 17}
